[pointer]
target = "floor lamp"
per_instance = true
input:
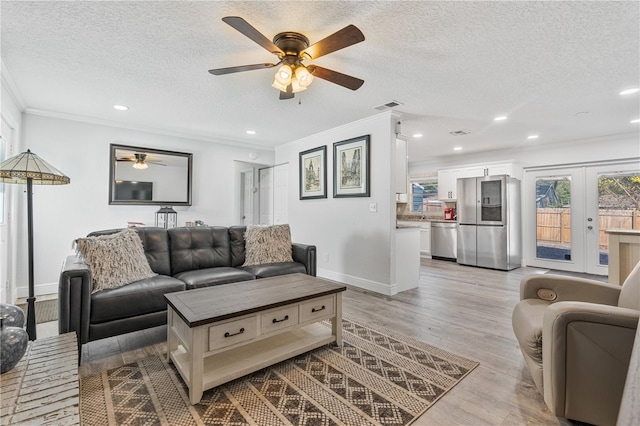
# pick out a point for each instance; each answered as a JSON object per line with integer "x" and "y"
{"x": 30, "y": 169}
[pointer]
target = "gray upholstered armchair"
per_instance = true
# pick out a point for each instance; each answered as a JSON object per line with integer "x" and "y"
{"x": 576, "y": 336}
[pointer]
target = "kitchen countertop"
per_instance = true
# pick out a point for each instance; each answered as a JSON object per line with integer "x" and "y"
{"x": 419, "y": 220}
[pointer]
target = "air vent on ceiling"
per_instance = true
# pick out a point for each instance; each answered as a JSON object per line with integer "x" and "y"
{"x": 389, "y": 105}
{"x": 460, "y": 132}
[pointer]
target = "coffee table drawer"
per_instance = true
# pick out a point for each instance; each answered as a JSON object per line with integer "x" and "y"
{"x": 279, "y": 319}
{"x": 316, "y": 308}
{"x": 232, "y": 332}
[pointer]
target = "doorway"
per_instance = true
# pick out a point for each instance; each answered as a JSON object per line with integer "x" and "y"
{"x": 569, "y": 209}
{"x": 247, "y": 201}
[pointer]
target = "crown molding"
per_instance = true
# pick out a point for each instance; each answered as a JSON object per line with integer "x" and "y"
{"x": 10, "y": 85}
{"x": 146, "y": 129}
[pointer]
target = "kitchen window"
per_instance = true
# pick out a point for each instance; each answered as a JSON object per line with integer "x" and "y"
{"x": 422, "y": 191}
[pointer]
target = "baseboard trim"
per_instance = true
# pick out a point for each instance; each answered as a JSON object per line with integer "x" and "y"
{"x": 386, "y": 289}
{"x": 40, "y": 289}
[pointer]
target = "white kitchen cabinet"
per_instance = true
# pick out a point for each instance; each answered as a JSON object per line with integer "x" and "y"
{"x": 447, "y": 181}
{"x": 401, "y": 167}
{"x": 500, "y": 169}
{"x": 475, "y": 171}
{"x": 447, "y": 178}
{"x": 425, "y": 239}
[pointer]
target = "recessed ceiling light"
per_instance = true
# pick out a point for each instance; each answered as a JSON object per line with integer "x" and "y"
{"x": 500, "y": 118}
{"x": 251, "y": 132}
{"x": 637, "y": 120}
{"x": 121, "y": 107}
{"x": 532, "y": 137}
{"x": 457, "y": 148}
{"x": 630, "y": 91}
{"x": 417, "y": 135}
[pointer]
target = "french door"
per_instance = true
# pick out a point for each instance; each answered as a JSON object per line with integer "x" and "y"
{"x": 568, "y": 210}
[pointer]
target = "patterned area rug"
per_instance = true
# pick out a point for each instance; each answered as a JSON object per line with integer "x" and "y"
{"x": 376, "y": 378}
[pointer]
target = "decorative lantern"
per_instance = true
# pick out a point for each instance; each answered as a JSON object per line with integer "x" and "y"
{"x": 166, "y": 218}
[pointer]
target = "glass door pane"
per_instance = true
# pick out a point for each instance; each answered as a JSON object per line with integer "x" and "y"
{"x": 491, "y": 201}
{"x": 618, "y": 207}
{"x": 553, "y": 218}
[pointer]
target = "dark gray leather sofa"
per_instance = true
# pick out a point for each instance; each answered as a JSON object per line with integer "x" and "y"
{"x": 183, "y": 258}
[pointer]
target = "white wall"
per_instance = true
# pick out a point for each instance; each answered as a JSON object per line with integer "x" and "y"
{"x": 596, "y": 149}
{"x": 81, "y": 151}
{"x": 354, "y": 246}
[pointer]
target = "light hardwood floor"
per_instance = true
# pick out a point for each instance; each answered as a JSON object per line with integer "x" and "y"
{"x": 461, "y": 309}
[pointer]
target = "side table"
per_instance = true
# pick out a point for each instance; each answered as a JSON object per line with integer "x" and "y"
{"x": 43, "y": 388}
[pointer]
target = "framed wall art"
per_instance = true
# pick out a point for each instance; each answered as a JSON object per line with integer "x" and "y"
{"x": 351, "y": 168}
{"x": 313, "y": 173}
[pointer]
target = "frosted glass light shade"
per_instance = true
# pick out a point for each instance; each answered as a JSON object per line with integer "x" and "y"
{"x": 283, "y": 76}
{"x": 303, "y": 76}
{"x": 280, "y": 87}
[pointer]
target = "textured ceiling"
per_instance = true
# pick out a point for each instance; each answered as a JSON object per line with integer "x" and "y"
{"x": 555, "y": 68}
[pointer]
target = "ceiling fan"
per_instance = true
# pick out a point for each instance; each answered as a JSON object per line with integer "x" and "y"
{"x": 140, "y": 161}
{"x": 292, "y": 48}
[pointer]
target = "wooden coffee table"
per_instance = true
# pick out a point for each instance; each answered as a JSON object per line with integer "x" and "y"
{"x": 217, "y": 334}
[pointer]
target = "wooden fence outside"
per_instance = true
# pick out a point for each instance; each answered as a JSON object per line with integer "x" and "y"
{"x": 553, "y": 225}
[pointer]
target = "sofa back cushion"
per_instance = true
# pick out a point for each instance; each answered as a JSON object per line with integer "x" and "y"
{"x": 156, "y": 247}
{"x": 199, "y": 248}
{"x": 236, "y": 235}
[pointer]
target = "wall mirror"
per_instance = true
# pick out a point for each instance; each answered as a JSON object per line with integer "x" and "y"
{"x": 149, "y": 176}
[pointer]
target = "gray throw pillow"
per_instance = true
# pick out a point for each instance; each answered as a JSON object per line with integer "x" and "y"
{"x": 267, "y": 244}
{"x": 114, "y": 260}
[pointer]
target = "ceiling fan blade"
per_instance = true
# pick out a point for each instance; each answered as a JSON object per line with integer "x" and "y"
{"x": 345, "y": 37}
{"x": 336, "y": 77}
{"x": 288, "y": 94}
{"x": 229, "y": 70}
{"x": 245, "y": 28}
{"x": 125, "y": 159}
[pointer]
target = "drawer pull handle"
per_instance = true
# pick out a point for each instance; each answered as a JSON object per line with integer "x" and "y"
{"x": 227, "y": 334}
{"x": 275, "y": 321}
{"x": 318, "y": 310}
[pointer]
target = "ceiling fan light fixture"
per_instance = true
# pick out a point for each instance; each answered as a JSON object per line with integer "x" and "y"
{"x": 283, "y": 76}
{"x": 303, "y": 76}
{"x": 296, "y": 86}
{"x": 277, "y": 85}
{"x": 140, "y": 165}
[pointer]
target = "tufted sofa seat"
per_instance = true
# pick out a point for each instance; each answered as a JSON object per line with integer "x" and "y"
{"x": 183, "y": 258}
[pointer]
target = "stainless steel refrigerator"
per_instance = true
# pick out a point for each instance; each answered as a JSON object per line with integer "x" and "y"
{"x": 489, "y": 227}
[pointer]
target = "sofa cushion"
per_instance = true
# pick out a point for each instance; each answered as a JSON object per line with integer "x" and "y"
{"x": 236, "y": 237}
{"x": 114, "y": 260}
{"x": 199, "y": 248}
{"x": 138, "y": 298}
{"x": 527, "y": 326}
{"x": 213, "y": 276}
{"x": 267, "y": 244}
{"x": 156, "y": 248}
{"x": 273, "y": 269}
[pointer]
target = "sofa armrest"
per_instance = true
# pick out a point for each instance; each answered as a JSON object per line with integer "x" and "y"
{"x": 559, "y": 288}
{"x": 74, "y": 298}
{"x": 305, "y": 254}
{"x": 586, "y": 350}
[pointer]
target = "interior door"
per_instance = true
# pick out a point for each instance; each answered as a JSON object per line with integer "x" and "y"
{"x": 554, "y": 219}
{"x": 248, "y": 191}
{"x": 613, "y": 202}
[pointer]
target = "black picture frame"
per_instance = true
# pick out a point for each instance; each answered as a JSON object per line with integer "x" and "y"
{"x": 313, "y": 173}
{"x": 351, "y": 167}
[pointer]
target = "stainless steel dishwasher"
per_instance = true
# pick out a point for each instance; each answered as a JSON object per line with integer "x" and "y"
{"x": 444, "y": 240}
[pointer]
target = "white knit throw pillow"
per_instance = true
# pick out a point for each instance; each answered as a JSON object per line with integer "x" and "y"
{"x": 114, "y": 260}
{"x": 267, "y": 244}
